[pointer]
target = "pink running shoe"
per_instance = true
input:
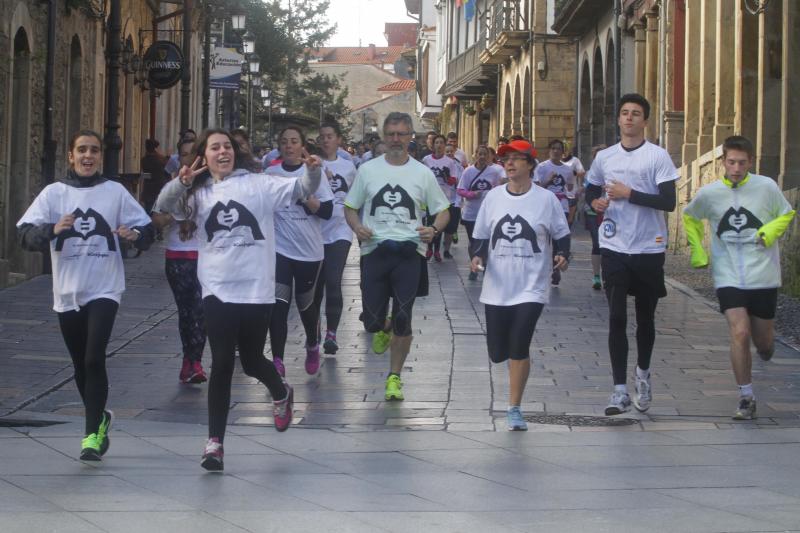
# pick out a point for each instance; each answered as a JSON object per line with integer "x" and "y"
{"x": 312, "y": 359}
{"x": 212, "y": 456}
{"x": 186, "y": 370}
{"x": 198, "y": 375}
{"x": 282, "y": 410}
{"x": 278, "y": 362}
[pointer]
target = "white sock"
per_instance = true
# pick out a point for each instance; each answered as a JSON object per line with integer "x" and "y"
{"x": 622, "y": 389}
{"x": 642, "y": 374}
{"x": 746, "y": 390}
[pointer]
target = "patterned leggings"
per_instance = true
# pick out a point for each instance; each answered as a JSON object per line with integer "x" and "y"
{"x": 182, "y": 278}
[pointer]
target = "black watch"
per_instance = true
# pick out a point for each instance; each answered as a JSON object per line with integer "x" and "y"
{"x": 436, "y": 231}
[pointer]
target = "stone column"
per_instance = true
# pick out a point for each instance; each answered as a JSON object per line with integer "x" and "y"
{"x": 790, "y": 102}
{"x": 675, "y": 59}
{"x": 707, "y": 54}
{"x": 640, "y": 56}
{"x": 651, "y": 73}
{"x": 725, "y": 70}
{"x": 745, "y": 100}
{"x": 768, "y": 137}
{"x": 691, "y": 91}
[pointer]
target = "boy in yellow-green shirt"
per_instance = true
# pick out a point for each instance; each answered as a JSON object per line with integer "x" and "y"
{"x": 747, "y": 214}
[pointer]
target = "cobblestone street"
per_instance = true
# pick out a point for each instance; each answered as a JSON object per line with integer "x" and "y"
{"x": 440, "y": 461}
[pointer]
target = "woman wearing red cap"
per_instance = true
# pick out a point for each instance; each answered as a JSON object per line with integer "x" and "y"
{"x": 514, "y": 229}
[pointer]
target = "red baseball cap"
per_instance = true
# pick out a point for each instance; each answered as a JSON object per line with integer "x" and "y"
{"x": 523, "y": 147}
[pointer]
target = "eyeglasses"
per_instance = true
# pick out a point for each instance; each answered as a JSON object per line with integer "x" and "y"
{"x": 397, "y": 134}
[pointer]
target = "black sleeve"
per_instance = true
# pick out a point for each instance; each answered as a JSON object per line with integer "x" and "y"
{"x": 480, "y": 248}
{"x": 35, "y": 238}
{"x": 325, "y": 211}
{"x": 663, "y": 201}
{"x": 593, "y": 192}
{"x": 148, "y": 236}
{"x": 561, "y": 246}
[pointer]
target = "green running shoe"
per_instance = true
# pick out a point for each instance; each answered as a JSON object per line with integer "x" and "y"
{"x": 90, "y": 448}
{"x": 381, "y": 341}
{"x": 394, "y": 388}
{"x": 104, "y": 429}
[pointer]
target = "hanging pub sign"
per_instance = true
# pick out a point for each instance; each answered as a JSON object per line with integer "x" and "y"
{"x": 164, "y": 64}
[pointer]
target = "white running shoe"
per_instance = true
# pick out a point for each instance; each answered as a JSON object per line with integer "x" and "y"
{"x": 643, "y": 396}
{"x": 619, "y": 403}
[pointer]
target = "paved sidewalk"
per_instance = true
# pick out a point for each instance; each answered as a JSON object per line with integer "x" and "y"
{"x": 440, "y": 461}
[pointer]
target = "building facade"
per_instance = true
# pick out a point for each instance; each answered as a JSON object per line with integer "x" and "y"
{"x": 37, "y": 118}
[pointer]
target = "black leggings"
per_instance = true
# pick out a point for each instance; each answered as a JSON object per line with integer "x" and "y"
{"x": 305, "y": 275}
{"x": 332, "y": 270}
{"x": 641, "y": 275}
{"x": 86, "y": 333}
{"x": 231, "y": 325}
{"x": 182, "y": 278}
{"x": 469, "y": 225}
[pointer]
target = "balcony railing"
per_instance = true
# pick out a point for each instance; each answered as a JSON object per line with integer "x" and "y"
{"x": 466, "y": 62}
{"x": 505, "y": 16}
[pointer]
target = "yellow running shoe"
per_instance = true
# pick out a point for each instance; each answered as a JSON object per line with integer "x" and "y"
{"x": 381, "y": 341}
{"x": 394, "y": 388}
{"x": 90, "y": 448}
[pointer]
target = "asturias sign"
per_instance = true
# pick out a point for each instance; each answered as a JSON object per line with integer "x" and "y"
{"x": 164, "y": 64}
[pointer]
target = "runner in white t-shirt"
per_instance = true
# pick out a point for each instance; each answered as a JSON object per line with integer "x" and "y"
{"x": 232, "y": 211}
{"x": 336, "y": 234}
{"x": 515, "y": 227}
{"x": 558, "y": 178}
{"x": 180, "y": 265}
{"x": 579, "y": 172}
{"x": 300, "y": 250}
{"x": 747, "y": 214}
{"x": 638, "y": 179}
{"x": 447, "y": 171}
{"x": 81, "y": 220}
{"x": 475, "y": 182}
{"x": 394, "y": 191}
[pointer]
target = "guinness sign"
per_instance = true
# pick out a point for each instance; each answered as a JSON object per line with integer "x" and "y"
{"x": 164, "y": 64}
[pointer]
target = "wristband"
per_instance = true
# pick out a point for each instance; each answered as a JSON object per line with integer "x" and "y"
{"x": 436, "y": 230}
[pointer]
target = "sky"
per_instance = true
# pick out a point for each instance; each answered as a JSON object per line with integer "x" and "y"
{"x": 364, "y": 19}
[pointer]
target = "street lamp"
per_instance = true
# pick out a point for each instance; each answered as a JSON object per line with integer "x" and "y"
{"x": 265, "y": 93}
{"x": 254, "y": 62}
{"x": 238, "y": 20}
{"x": 248, "y": 43}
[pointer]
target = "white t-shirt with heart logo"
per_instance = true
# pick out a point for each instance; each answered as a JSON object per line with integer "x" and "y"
{"x": 87, "y": 264}
{"x": 394, "y": 199}
{"x": 443, "y": 168}
{"x": 236, "y": 235}
{"x": 519, "y": 230}
{"x": 563, "y": 177}
{"x": 629, "y": 228}
{"x": 298, "y": 235}
{"x": 482, "y": 182}
{"x": 340, "y": 173}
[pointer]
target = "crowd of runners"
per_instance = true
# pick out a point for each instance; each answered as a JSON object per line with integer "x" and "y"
{"x": 244, "y": 235}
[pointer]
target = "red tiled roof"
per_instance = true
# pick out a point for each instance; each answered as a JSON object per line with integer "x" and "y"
{"x": 399, "y": 85}
{"x": 357, "y": 54}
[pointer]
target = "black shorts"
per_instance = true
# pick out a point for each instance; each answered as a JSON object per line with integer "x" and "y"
{"x": 760, "y": 303}
{"x": 455, "y": 218}
{"x": 640, "y": 274}
{"x": 509, "y": 330}
{"x": 390, "y": 273}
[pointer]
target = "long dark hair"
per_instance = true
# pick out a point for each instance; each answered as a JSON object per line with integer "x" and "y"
{"x": 241, "y": 160}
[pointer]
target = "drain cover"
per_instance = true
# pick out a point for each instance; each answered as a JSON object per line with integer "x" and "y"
{"x": 580, "y": 420}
